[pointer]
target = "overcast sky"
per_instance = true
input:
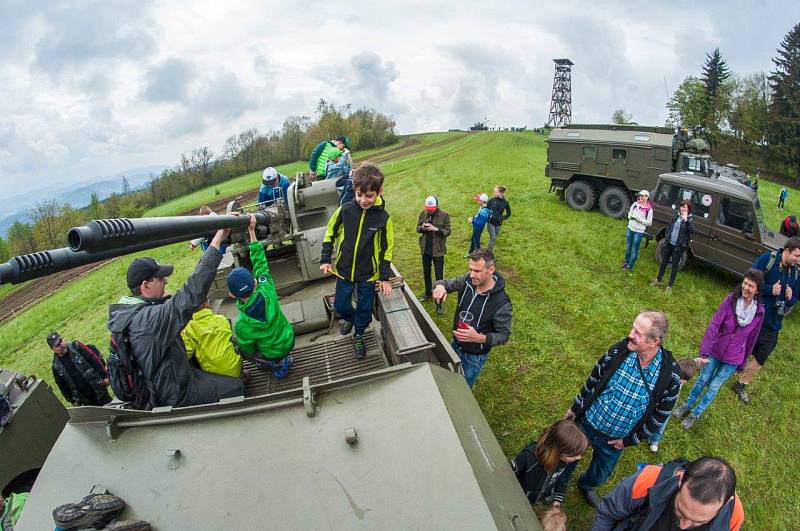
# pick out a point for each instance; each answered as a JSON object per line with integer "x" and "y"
{"x": 92, "y": 88}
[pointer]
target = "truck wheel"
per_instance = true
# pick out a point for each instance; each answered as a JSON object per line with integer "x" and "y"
{"x": 614, "y": 202}
{"x": 660, "y": 254}
{"x": 581, "y": 195}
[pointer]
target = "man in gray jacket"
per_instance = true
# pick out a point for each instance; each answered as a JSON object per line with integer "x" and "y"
{"x": 153, "y": 323}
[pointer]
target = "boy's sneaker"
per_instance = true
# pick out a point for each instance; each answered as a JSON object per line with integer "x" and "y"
{"x": 439, "y": 309}
{"x": 345, "y": 327}
{"x": 467, "y": 255}
{"x": 680, "y": 411}
{"x": 741, "y": 392}
{"x": 654, "y": 447}
{"x": 95, "y": 510}
{"x": 624, "y": 266}
{"x": 655, "y": 283}
{"x": 282, "y": 368}
{"x": 668, "y": 290}
{"x": 360, "y": 347}
{"x": 689, "y": 421}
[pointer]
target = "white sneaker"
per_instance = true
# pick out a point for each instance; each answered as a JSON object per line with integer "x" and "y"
{"x": 654, "y": 447}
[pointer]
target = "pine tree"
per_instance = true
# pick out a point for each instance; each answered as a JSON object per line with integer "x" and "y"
{"x": 784, "y": 83}
{"x": 715, "y": 73}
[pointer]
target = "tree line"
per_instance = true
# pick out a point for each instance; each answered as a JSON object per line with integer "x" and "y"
{"x": 248, "y": 151}
{"x": 750, "y": 119}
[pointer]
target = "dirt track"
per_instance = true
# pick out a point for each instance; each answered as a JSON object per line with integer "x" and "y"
{"x": 38, "y": 289}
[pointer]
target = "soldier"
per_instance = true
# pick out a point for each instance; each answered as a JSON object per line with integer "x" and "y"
{"x": 79, "y": 371}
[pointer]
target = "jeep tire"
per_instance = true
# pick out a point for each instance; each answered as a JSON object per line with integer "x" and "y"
{"x": 614, "y": 202}
{"x": 581, "y": 195}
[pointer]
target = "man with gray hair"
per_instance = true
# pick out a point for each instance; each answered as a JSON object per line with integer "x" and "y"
{"x": 629, "y": 395}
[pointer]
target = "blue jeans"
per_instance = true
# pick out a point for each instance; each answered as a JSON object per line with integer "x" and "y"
{"x": 604, "y": 459}
{"x": 475, "y": 242}
{"x": 632, "y": 242}
{"x": 361, "y": 316}
{"x": 714, "y": 374}
{"x": 656, "y": 437}
{"x": 470, "y": 363}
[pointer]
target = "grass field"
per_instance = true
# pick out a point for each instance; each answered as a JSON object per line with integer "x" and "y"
{"x": 571, "y": 302}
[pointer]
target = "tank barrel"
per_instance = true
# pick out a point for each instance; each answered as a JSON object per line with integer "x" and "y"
{"x": 36, "y": 265}
{"x": 106, "y": 234}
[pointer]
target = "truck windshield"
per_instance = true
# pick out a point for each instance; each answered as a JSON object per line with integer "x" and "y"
{"x": 762, "y": 225}
{"x": 694, "y": 164}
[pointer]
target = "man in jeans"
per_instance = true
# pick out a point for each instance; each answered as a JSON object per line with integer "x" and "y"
{"x": 483, "y": 315}
{"x": 629, "y": 395}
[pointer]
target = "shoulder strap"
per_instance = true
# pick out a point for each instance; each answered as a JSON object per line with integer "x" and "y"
{"x": 91, "y": 352}
{"x": 773, "y": 256}
{"x": 647, "y": 478}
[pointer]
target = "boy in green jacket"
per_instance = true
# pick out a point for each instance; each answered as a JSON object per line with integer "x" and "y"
{"x": 261, "y": 327}
{"x": 357, "y": 248}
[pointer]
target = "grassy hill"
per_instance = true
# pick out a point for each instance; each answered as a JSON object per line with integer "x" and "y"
{"x": 571, "y": 302}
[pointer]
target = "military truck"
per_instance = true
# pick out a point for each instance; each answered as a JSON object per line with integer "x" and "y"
{"x": 607, "y": 165}
{"x": 729, "y": 228}
{"x": 394, "y": 441}
{"x": 28, "y": 431}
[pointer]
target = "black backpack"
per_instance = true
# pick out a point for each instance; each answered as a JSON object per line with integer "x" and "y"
{"x": 126, "y": 377}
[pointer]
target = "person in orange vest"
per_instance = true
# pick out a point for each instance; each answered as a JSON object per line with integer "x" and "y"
{"x": 676, "y": 495}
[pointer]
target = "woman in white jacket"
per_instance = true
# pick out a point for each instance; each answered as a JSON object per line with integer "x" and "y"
{"x": 640, "y": 216}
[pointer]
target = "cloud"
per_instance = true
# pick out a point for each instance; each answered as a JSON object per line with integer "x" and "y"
{"x": 93, "y": 34}
{"x": 372, "y": 75}
{"x": 168, "y": 81}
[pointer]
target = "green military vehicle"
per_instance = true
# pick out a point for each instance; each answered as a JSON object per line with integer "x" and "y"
{"x": 606, "y": 165}
{"x": 729, "y": 228}
{"x": 394, "y": 441}
{"x": 28, "y": 429}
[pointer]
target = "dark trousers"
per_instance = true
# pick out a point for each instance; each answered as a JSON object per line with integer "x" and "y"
{"x": 438, "y": 266}
{"x": 361, "y": 315}
{"x": 475, "y": 242}
{"x": 670, "y": 254}
{"x": 604, "y": 458}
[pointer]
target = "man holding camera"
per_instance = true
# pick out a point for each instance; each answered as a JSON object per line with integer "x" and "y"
{"x": 779, "y": 294}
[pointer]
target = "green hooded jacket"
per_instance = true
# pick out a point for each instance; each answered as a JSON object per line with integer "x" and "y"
{"x": 324, "y": 152}
{"x": 261, "y": 327}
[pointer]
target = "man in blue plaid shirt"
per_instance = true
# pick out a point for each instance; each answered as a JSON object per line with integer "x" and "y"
{"x": 628, "y": 397}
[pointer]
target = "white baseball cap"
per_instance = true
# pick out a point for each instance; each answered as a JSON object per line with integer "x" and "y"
{"x": 644, "y": 193}
{"x": 270, "y": 174}
{"x": 484, "y": 198}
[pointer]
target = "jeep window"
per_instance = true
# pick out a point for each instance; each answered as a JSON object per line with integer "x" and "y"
{"x": 669, "y": 195}
{"x": 589, "y": 152}
{"x": 736, "y": 214}
{"x": 619, "y": 154}
{"x": 573, "y": 134}
{"x": 660, "y": 154}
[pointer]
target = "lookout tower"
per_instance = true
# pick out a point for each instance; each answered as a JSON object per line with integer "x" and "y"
{"x": 561, "y": 101}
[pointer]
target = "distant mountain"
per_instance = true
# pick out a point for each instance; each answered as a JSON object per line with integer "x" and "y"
{"x": 76, "y": 194}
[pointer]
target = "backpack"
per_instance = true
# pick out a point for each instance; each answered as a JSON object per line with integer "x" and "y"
{"x": 774, "y": 256}
{"x": 652, "y": 474}
{"x": 126, "y": 377}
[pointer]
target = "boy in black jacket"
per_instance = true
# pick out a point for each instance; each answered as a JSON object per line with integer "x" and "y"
{"x": 362, "y": 235}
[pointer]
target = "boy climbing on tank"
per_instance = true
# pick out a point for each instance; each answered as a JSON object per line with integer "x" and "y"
{"x": 264, "y": 334}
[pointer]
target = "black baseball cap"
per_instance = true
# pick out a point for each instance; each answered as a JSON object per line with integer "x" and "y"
{"x": 146, "y": 268}
{"x": 53, "y": 339}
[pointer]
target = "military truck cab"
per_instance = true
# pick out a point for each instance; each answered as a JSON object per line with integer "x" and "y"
{"x": 729, "y": 228}
{"x": 606, "y": 165}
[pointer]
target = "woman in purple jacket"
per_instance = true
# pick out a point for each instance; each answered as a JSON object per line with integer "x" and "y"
{"x": 728, "y": 341}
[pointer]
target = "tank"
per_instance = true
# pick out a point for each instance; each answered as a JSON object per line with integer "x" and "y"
{"x": 35, "y": 422}
{"x": 394, "y": 441}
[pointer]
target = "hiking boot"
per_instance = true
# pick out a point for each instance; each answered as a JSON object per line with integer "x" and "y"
{"x": 425, "y": 298}
{"x": 282, "y": 368}
{"x": 360, "y": 347}
{"x": 689, "y": 421}
{"x": 95, "y": 510}
{"x": 591, "y": 496}
{"x": 741, "y": 392}
{"x": 345, "y": 327}
{"x": 439, "y": 309}
{"x": 655, "y": 283}
{"x": 654, "y": 447}
{"x": 680, "y": 411}
{"x": 128, "y": 525}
